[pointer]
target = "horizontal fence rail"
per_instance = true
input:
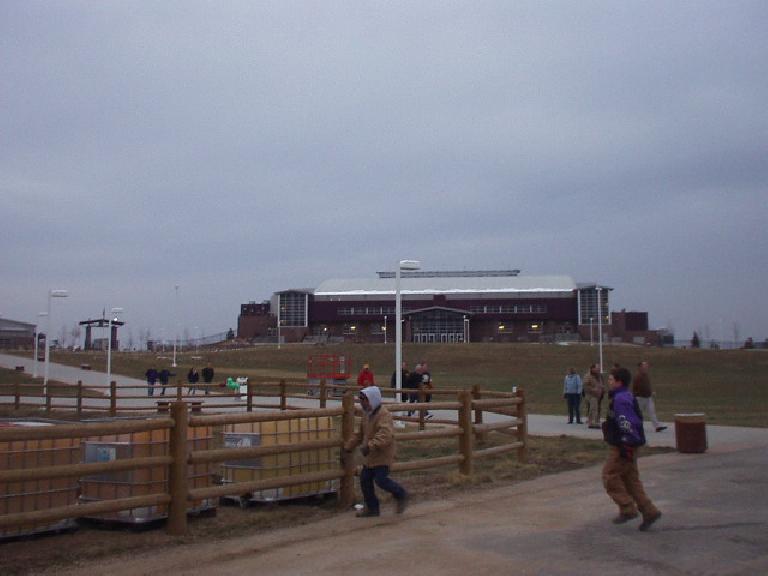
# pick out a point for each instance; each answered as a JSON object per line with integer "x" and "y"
{"x": 179, "y": 413}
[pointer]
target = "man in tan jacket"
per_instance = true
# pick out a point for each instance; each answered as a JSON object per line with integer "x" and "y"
{"x": 593, "y": 389}
{"x": 377, "y": 439}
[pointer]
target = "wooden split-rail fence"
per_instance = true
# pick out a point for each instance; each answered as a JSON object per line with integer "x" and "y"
{"x": 467, "y": 427}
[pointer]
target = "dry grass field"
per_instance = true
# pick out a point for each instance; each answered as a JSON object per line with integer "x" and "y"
{"x": 730, "y": 386}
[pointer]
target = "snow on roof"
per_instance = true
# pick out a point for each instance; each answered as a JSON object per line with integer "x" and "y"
{"x": 483, "y": 285}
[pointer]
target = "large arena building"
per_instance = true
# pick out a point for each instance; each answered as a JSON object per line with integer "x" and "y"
{"x": 466, "y": 306}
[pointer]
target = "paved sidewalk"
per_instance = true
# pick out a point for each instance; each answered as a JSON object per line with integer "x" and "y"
{"x": 715, "y": 521}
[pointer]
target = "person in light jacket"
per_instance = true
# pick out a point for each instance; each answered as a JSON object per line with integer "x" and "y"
{"x": 377, "y": 440}
{"x": 572, "y": 388}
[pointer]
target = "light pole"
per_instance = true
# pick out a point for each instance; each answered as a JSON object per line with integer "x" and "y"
{"x": 591, "y": 336}
{"x": 466, "y": 329}
{"x": 600, "y": 324}
{"x": 278, "y": 321}
{"x": 176, "y": 324}
{"x": 37, "y": 340}
{"x": 113, "y": 313}
{"x": 385, "y": 328}
{"x": 402, "y": 265}
{"x": 51, "y": 294}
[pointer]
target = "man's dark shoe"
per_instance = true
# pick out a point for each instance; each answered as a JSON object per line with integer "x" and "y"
{"x": 661, "y": 428}
{"x": 367, "y": 514}
{"x": 648, "y": 520}
{"x": 624, "y": 518}
{"x": 401, "y": 504}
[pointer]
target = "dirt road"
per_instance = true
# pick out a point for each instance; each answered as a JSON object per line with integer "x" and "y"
{"x": 715, "y": 522}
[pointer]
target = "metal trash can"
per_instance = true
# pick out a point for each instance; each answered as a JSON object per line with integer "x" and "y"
{"x": 691, "y": 433}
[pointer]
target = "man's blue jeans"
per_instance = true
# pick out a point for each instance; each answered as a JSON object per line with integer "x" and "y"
{"x": 379, "y": 475}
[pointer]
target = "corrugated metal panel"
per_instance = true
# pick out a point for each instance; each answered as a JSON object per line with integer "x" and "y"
{"x": 386, "y": 286}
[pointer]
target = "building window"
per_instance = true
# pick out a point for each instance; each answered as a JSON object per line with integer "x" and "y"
{"x": 366, "y": 311}
{"x": 588, "y": 307}
{"x": 508, "y": 308}
{"x": 293, "y": 309}
{"x": 350, "y": 329}
{"x": 535, "y": 327}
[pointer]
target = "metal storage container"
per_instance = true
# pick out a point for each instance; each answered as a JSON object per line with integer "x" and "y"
{"x": 289, "y": 464}
{"x": 143, "y": 481}
{"x": 36, "y": 495}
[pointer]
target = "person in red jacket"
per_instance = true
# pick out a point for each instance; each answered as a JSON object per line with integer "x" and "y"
{"x": 365, "y": 378}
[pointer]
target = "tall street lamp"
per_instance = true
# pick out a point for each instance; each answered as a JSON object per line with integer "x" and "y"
{"x": 48, "y": 340}
{"x": 385, "y": 328}
{"x": 600, "y": 324}
{"x": 401, "y": 266}
{"x": 114, "y": 313}
{"x": 466, "y": 329}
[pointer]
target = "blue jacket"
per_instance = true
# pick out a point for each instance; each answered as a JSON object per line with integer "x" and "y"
{"x": 624, "y": 425}
{"x": 572, "y": 384}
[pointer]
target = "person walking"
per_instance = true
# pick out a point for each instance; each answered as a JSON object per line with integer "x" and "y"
{"x": 377, "y": 440}
{"x": 593, "y": 388}
{"x": 193, "y": 377}
{"x": 151, "y": 376}
{"x": 404, "y": 375}
{"x": 623, "y": 431}
{"x": 572, "y": 388}
{"x": 208, "y": 377}
{"x": 413, "y": 383}
{"x": 365, "y": 377}
{"x": 426, "y": 385}
{"x": 641, "y": 388}
{"x": 164, "y": 376}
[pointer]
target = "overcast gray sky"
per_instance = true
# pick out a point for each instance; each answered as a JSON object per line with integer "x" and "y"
{"x": 238, "y": 148}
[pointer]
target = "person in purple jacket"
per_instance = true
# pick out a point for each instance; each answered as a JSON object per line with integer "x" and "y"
{"x": 623, "y": 431}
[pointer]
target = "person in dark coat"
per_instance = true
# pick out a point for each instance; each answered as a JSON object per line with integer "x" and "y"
{"x": 164, "y": 376}
{"x": 208, "y": 377}
{"x": 151, "y": 376}
{"x": 193, "y": 377}
{"x": 404, "y": 375}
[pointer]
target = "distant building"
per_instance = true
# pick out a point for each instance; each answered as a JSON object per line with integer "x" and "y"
{"x": 633, "y": 327}
{"x": 444, "y": 306}
{"x": 15, "y": 334}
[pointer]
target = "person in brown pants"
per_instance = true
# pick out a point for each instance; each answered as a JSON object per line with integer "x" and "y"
{"x": 623, "y": 430}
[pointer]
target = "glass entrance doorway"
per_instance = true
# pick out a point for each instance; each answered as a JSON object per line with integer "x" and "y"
{"x": 437, "y": 325}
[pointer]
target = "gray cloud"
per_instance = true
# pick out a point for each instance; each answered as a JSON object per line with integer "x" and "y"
{"x": 243, "y": 148}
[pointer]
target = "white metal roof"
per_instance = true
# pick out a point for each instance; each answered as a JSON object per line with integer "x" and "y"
{"x": 482, "y": 285}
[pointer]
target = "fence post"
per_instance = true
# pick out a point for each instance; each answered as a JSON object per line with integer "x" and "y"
{"x": 249, "y": 398}
{"x": 347, "y": 487}
{"x": 476, "y": 395}
{"x": 113, "y": 398}
{"x": 16, "y": 396}
{"x": 422, "y": 398}
{"x": 283, "y": 402}
{"x": 323, "y": 393}
{"x": 178, "y": 390}
{"x": 466, "y": 438}
{"x": 177, "y": 477}
{"x": 48, "y": 397}
{"x": 522, "y": 428}
{"x": 79, "y": 397}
